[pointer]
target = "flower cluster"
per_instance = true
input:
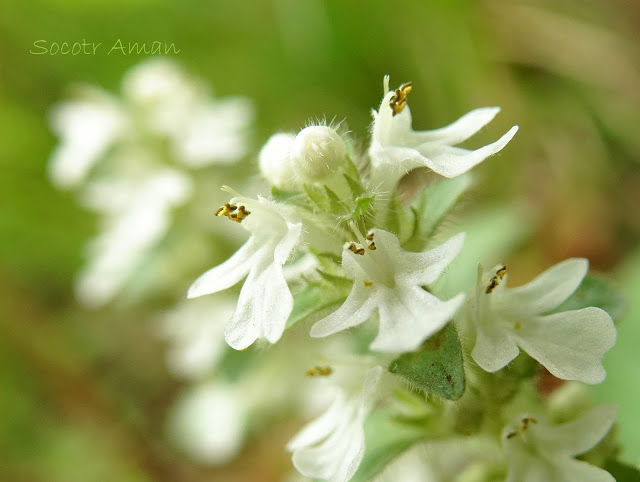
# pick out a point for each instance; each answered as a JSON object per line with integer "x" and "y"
{"x": 130, "y": 158}
{"x": 373, "y": 263}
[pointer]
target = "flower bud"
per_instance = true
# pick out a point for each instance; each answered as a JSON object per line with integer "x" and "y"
{"x": 317, "y": 152}
{"x": 275, "y": 164}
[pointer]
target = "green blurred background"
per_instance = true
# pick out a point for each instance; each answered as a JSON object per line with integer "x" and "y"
{"x": 84, "y": 394}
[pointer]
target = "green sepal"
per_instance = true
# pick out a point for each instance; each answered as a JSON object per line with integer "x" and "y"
{"x": 288, "y": 197}
{"x": 432, "y": 205}
{"x": 350, "y": 169}
{"x": 599, "y": 292}
{"x": 385, "y": 439}
{"x": 362, "y": 207}
{"x": 317, "y": 196}
{"x": 356, "y": 188}
{"x": 437, "y": 367}
{"x": 335, "y": 203}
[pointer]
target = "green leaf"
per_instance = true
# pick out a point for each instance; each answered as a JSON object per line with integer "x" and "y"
{"x": 313, "y": 298}
{"x": 433, "y": 204}
{"x": 622, "y": 472}
{"x": 597, "y": 291}
{"x": 437, "y": 367}
{"x": 385, "y": 439}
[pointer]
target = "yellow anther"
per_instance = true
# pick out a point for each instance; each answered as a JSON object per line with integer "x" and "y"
{"x": 399, "y": 100}
{"x": 501, "y": 272}
{"x": 372, "y": 246}
{"x": 492, "y": 284}
{"x": 368, "y": 283}
{"x": 319, "y": 371}
{"x": 233, "y": 212}
{"x": 524, "y": 423}
{"x": 355, "y": 249}
{"x": 510, "y": 435}
{"x": 370, "y": 236}
{"x": 517, "y": 325}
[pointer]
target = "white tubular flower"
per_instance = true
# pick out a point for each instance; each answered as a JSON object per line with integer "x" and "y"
{"x": 537, "y": 451}
{"x": 265, "y": 301}
{"x": 170, "y": 102}
{"x": 332, "y": 446}
{"x": 209, "y": 422}
{"x": 195, "y": 332}
{"x": 390, "y": 279}
{"x": 86, "y": 128}
{"x": 569, "y": 344}
{"x": 396, "y": 148}
{"x": 139, "y": 217}
{"x": 315, "y": 154}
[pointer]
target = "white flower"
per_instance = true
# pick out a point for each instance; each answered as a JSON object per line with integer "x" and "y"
{"x": 195, "y": 332}
{"x": 390, "y": 279}
{"x": 157, "y": 98}
{"x": 137, "y": 215}
{"x": 86, "y": 128}
{"x": 332, "y": 446}
{"x": 396, "y": 148}
{"x": 265, "y": 301}
{"x": 537, "y": 451}
{"x": 209, "y": 422}
{"x": 569, "y": 344}
{"x": 169, "y": 102}
{"x": 315, "y": 154}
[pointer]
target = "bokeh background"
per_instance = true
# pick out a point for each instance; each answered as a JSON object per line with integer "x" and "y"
{"x": 84, "y": 394}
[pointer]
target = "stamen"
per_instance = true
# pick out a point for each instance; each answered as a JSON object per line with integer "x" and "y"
{"x": 492, "y": 285}
{"x": 319, "y": 371}
{"x": 355, "y": 249}
{"x": 524, "y": 423}
{"x": 233, "y": 212}
{"x": 501, "y": 272}
{"x": 510, "y": 435}
{"x": 399, "y": 100}
{"x": 372, "y": 246}
{"x": 517, "y": 325}
{"x": 368, "y": 283}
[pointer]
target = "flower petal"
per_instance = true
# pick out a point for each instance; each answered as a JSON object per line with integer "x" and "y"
{"x": 460, "y": 130}
{"x": 410, "y": 315}
{"x": 424, "y": 268}
{"x": 578, "y": 436}
{"x": 494, "y": 349}
{"x": 228, "y": 273}
{"x": 356, "y": 309}
{"x": 571, "y": 344}
{"x": 264, "y": 305}
{"x": 549, "y": 289}
{"x": 452, "y": 161}
{"x": 321, "y": 427}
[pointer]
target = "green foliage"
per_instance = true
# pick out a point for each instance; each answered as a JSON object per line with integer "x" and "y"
{"x": 431, "y": 207}
{"x": 315, "y": 297}
{"x": 599, "y": 292}
{"x": 437, "y": 367}
{"x": 385, "y": 438}
{"x": 622, "y": 472}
